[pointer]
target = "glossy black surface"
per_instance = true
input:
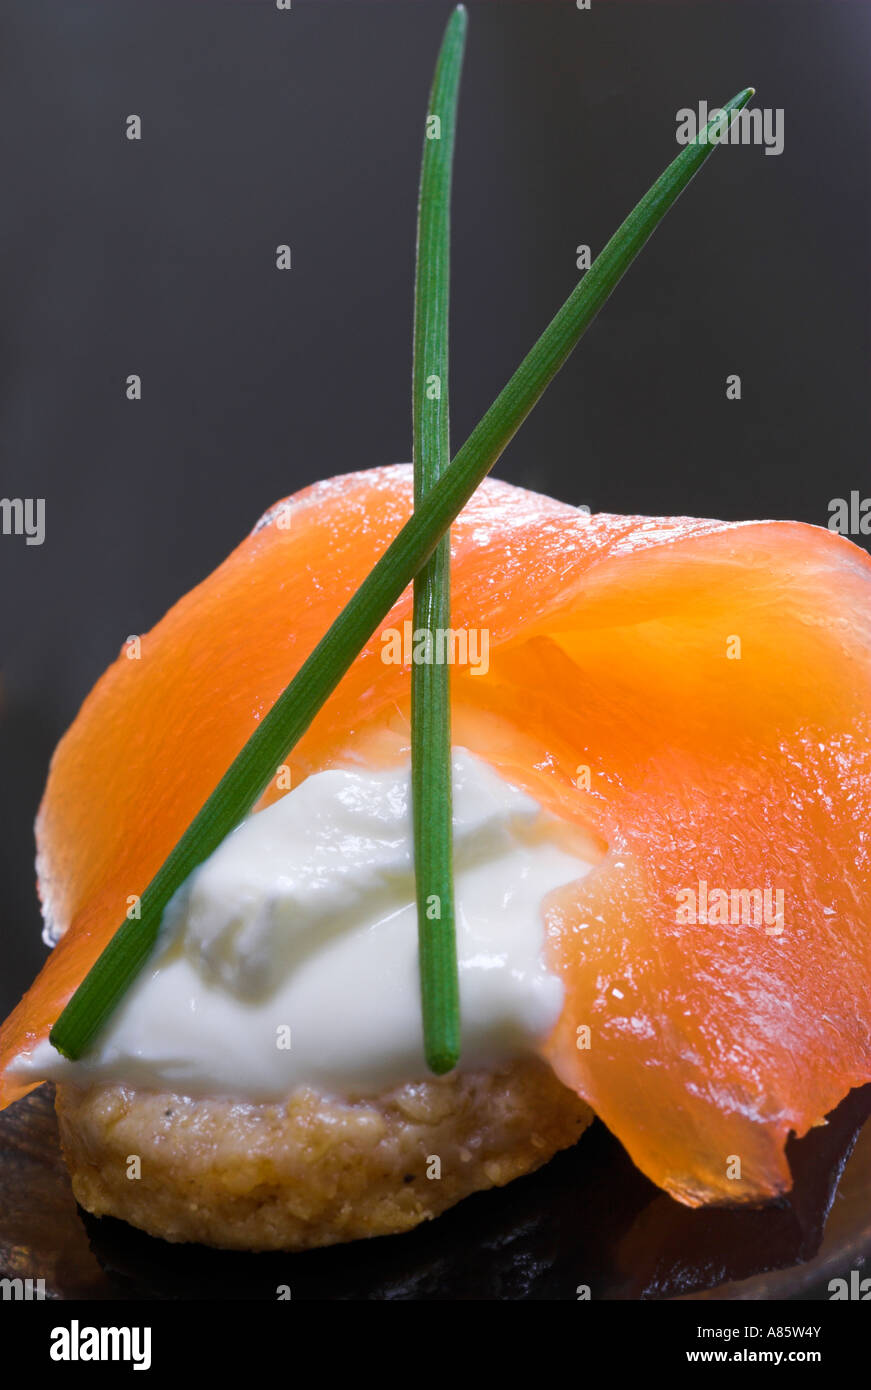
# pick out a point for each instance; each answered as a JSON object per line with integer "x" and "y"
{"x": 587, "y": 1219}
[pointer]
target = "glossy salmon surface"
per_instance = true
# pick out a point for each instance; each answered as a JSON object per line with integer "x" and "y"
{"x": 693, "y": 696}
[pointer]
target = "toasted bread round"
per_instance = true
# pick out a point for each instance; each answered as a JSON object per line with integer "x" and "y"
{"x": 312, "y": 1170}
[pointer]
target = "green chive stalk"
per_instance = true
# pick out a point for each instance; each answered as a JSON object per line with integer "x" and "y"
{"x": 430, "y": 680}
{"x": 243, "y": 783}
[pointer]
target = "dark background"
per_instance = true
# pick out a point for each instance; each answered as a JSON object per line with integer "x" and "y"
{"x": 262, "y": 127}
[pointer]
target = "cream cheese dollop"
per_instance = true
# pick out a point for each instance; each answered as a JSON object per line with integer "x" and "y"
{"x": 289, "y": 957}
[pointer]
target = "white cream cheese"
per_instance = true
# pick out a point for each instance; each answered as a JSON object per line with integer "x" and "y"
{"x": 301, "y": 929}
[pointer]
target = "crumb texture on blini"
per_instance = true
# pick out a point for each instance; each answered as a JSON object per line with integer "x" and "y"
{"x": 314, "y": 1170}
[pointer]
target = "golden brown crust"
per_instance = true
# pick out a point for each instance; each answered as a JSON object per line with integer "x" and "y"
{"x": 313, "y": 1170}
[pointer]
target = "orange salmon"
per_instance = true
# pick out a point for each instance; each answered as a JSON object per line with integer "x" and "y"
{"x": 694, "y": 695}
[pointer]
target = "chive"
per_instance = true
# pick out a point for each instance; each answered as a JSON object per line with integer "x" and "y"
{"x": 430, "y": 683}
{"x": 267, "y": 748}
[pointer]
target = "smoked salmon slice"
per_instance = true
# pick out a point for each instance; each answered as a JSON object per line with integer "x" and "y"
{"x": 694, "y": 695}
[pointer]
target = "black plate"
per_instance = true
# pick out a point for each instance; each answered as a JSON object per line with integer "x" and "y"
{"x": 587, "y": 1219}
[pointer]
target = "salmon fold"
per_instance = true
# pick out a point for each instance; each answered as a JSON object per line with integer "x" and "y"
{"x": 693, "y": 697}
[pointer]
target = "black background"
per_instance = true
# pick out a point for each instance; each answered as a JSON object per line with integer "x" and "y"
{"x": 263, "y": 127}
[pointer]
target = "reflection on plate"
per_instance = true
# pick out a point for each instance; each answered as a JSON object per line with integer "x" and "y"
{"x": 588, "y": 1218}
